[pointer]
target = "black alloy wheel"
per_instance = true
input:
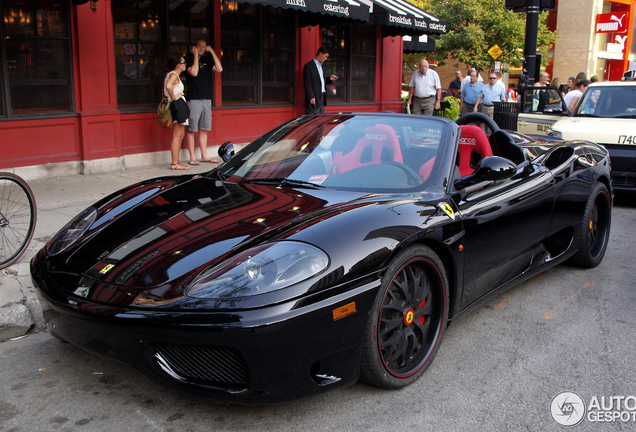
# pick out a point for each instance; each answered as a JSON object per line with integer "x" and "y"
{"x": 594, "y": 230}
{"x": 407, "y": 320}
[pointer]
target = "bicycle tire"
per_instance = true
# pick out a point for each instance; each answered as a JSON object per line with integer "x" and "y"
{"x": 18, "y": 215}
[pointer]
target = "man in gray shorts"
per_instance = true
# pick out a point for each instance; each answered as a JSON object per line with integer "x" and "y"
{"x": 200, "y": 64}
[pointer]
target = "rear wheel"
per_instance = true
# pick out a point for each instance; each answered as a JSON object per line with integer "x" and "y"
{"x": 407, "y": 320}
{"x": 593, "y": 232}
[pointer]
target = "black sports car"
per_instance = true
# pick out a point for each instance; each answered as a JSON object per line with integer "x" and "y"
{"x": 333, "y": 248}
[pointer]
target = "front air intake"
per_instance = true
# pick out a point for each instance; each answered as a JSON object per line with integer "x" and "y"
{"x": 203, "y": 365}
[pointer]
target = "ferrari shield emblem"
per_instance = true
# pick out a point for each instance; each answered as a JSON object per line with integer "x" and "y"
{"x": 446, "y": 208}
{"x": 106, "y": 269}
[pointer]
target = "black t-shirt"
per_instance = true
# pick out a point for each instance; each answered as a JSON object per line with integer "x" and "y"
{"x": 200, "y": 86}
{"x": 455, "y": 84}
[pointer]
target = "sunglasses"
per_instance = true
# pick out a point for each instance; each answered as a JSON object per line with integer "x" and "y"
{"x": 492, "y": 77}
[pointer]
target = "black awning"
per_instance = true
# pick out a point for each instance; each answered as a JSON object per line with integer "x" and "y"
{"x": 399, "y": 18}
{"x": 342, "y": 9}
{"x": 418, "y": 44}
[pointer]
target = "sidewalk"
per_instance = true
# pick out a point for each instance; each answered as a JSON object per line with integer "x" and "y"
{"x": 58, "y": 200}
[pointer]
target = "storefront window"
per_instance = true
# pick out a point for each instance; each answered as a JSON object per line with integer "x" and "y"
{"x": 352, "y": 58}
{"x": 142, "y": 30}
{"x": 36, "y": 42}
{"x": 258, "y": 54}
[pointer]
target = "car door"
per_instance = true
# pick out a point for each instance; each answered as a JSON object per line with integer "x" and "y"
{"x": 504, "y": 223}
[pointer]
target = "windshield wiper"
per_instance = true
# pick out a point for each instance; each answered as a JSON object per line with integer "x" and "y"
{"x": 283, "y": 181}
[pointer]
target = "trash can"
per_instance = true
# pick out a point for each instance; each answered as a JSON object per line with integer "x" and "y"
{"x": 505, "y": 114}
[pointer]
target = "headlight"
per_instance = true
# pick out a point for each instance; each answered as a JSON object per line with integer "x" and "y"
{"x": 71, "y": 231}
{"x": 555, "y": 134}
{"x": 259, "y": 270}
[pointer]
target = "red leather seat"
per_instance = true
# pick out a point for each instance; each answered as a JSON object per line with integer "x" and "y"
{"x": 379, "y": 144}
{"x": 473, "y": 147}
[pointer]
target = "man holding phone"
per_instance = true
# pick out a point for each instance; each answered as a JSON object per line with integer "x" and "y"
{"x": 314, "y": 82}
{"x": 201, "y": 62}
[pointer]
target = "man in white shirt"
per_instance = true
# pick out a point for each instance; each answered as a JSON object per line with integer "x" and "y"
{"x": 425, "y": 90}
{"x": 500, "y": 82}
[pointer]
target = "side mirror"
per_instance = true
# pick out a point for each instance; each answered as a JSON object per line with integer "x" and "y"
{"x": 491, "y": 168}
{"x": 226, "y": 151}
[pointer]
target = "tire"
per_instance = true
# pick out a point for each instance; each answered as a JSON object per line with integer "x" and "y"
{"x": 405, "y": 326}
{"x": 592, "y": 234}
{"x": 17, "y": 218}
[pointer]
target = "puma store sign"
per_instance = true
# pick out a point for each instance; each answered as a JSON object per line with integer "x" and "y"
{"x": 614, "y": 22}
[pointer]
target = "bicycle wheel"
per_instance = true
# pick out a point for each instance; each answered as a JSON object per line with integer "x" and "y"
{"x": 17, "y": 218}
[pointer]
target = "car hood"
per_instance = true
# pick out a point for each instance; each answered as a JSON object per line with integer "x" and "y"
{"x": 156, "y": 237}
{"x": 599, "y": 130}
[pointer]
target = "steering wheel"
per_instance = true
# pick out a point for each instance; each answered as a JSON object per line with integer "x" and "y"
{"x": 412, "y": 177}
{"x": 477, "y": 117}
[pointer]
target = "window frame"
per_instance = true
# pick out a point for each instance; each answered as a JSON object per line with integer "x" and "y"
{"x": 6, "y": 109}
{"x": 259, "y": 52}
{"x": 346, "y": 80}
{"x": 164, "y": 39}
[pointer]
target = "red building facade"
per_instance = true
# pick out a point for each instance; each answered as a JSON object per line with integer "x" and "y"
{"x": 81, "y": 83}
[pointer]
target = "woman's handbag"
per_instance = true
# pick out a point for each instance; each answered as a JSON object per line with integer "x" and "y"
{"x": 164, "y": 116}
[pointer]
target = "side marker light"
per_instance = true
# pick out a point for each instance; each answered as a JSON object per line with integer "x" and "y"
{"x": 343, "y": 311}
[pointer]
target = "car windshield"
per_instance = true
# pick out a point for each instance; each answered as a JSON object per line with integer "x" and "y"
{"x": 609, "y": 102}
{"x": 344, "y": 151}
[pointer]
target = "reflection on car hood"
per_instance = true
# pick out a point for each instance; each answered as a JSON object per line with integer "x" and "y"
{"x": 171, "y": 236}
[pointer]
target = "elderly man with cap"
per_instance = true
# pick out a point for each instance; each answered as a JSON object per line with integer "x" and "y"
{"x": 425, "y": 90}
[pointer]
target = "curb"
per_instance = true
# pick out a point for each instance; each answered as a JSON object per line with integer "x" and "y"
{"x": 15, "y": 317}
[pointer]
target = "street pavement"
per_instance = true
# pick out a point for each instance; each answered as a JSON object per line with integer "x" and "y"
{"x": 58, "y": 200}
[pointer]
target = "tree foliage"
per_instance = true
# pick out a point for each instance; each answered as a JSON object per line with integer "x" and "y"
{"x": 474, "y": 26}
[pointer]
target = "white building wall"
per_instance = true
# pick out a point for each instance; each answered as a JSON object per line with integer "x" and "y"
{"x": 576, "y": 50}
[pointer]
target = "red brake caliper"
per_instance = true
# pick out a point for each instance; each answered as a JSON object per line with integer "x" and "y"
{"x": 422, "y": 316}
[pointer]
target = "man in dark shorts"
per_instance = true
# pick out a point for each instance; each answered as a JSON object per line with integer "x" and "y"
{"x": 200, "y": 64}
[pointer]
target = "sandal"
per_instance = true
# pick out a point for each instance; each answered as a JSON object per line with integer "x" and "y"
{"x": 178, "y": 166}
{"x": 194, "y": 162}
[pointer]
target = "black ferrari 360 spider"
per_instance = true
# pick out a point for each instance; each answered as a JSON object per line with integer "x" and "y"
{"x": 333, "y": 248}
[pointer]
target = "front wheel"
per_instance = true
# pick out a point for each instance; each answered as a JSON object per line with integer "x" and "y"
{"x": 407, "y": 320}
{"x": 592, "y": 234}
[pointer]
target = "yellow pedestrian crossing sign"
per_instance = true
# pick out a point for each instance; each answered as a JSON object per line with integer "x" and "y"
{"x": 495, "y": 51}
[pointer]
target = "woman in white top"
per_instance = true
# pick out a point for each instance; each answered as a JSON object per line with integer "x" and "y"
{"x": 572, "y": 98}
{"x": 173, "y": 90}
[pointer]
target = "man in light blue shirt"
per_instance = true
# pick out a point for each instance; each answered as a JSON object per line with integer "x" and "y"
{"x": 472, "y": 94}
{"x": 493, "y": 92}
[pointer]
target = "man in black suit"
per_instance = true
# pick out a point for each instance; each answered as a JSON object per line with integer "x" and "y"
{"x": 314, "y": 82}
